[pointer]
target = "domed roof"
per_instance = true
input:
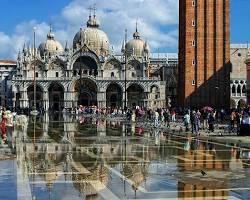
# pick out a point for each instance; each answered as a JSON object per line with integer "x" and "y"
{"x": 94, "y": 38}
{"x": 50, "y": 46}
{"x": 137, "y": 46}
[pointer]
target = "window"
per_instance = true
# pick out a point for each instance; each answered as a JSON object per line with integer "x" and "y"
{"x": 233, "y": 90}
{"x": 193, "y": 82}
{"x": 193, "y": 3}
{"x": 57, "y": 74}
{"x": 36, "y": 74}
{"x": 193, "y": 62}
{"x": 239, "y": 89}
{"x": 74, "y": 73}
{"x": 133, "y": 74}
{"x": 244, "y": 89}
{"x": 112, "y": 74}
{"x": 193, "y": 23}
{"x": 239, "y": 54}
{"x": 193, "y": 43}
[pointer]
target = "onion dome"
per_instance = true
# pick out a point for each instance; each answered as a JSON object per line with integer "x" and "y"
{"x": 50, "y": 46}
{"x": 94, "y": 38}
{"x": 137, "y": 47}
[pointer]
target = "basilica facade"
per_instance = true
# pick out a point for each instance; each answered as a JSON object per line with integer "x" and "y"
{"x": 86, "y": 73}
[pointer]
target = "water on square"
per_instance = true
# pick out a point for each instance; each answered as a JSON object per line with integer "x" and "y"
{"x": 63, "y": 157}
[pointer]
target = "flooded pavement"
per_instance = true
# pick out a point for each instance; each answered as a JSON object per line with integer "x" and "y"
{"x": 63, "y": 157}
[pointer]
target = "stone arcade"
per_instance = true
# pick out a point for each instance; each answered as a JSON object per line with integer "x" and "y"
{"x": 86, "y": 74}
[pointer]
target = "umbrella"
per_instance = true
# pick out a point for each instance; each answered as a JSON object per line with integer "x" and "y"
{"x": 207, "y": 108}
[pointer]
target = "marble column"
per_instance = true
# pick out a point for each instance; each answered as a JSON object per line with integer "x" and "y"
{"x": 46, "y": 100}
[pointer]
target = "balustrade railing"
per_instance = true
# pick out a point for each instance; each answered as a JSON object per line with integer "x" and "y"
{"x": 86, "y": 76}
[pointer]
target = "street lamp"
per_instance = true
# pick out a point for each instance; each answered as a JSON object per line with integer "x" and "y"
{"x": 34, "y": 111}
{"x": 125, "y": 71}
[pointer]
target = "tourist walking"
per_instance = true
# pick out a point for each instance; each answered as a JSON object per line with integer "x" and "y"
{"x": 167, "y": 118}
{"x": 173, "y": 116}
{"x": 211, "y": 121}
{"x": 238, "y": 119}
{"x": 156, "y": 119}
{"x": 232, "y": 119}
{"x": 186, "y": 121}
{"x": 195, "y": 122}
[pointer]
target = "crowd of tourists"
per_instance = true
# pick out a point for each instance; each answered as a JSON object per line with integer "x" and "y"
{"x": 194, "y": 120}
{"x": 239, "y": 119}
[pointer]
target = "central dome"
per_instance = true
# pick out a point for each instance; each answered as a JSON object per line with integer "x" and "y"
{"x": 94, "y": 38}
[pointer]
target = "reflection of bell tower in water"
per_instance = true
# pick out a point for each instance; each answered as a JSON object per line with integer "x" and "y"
{"x": 201, "y": 156}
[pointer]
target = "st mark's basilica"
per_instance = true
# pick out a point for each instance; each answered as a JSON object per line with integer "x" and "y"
{"x": 87, "y": 73}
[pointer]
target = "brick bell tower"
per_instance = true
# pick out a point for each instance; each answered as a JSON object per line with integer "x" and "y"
{"x": 204, "y": 53}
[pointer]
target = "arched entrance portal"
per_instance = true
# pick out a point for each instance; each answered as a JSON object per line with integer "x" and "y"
{"x": 135, "y": 95}
{"x": 86, "y": 92}
{"x": 114, "y": 96}
{"x": 39, "y": 96}
{"x": 56, "y": 97}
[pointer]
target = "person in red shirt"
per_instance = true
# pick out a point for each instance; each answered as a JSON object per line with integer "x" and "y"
{"x": 173, "y": 114}
{"x": 3, "y": 126}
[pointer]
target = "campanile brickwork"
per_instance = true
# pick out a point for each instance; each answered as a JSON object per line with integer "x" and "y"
{"x": 204, "y": 53}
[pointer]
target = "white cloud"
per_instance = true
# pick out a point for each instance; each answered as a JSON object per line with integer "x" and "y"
{"x": 115, "y": 17}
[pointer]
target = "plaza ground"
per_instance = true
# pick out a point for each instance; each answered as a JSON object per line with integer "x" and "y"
{"x": 109, "y": 159}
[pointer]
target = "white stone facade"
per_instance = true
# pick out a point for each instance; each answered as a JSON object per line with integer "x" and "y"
{"x": 86, "y": 74}
{"x": 238, "y": 77}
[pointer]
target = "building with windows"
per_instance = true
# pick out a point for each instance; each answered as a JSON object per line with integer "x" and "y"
{"x": 7, "y": 69}
{"x": 238, "y": 77}
{"x": 247, "y": 61}
{"x": 165, "y": 67}
{"x": 87, "y": 73}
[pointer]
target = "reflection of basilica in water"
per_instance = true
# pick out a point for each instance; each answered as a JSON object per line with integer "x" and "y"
{"x": 87, "y": 74}
{"x": 83, "y": 151}
{"x": 97, "y": 157}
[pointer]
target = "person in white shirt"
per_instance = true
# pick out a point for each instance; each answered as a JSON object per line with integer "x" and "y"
{"x": 246, "y": 120}
{"x": 186, "y": 121}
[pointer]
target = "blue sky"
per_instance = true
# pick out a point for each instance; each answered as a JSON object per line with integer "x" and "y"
{"x": 157, "y": 19}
